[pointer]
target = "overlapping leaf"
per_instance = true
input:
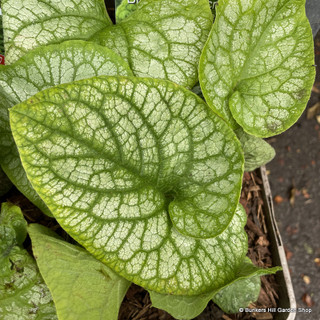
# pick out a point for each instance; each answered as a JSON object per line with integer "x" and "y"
{"x": 29, "y": 24}
{"x": 82, "y": 287}
{"x": 257, "y": 152}
{"x": 118, "y": 160}
{"x": 181, "y": 307}
{"x": 238, "y": 293}
{"x": 243, "y": 291}
{"x": 256, "y": 69}
{"x": 124, "y": 9}
{"x": 162, "y": 39}
{"x": 40, "y": 69}
{"x": 23, "y": 294}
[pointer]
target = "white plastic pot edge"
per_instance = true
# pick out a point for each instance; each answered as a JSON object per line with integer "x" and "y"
{"x": 280, "y": 247}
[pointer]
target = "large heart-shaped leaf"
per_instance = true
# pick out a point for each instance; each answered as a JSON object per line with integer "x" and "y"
{"x": 23, "y": 293}
{"x": 82, "y": 287}
{"x": 40, "y": 69}
{"x": 32, "y": 23}
{"x": 257, "y": 66}
{"x": 162, "y": 39}
{"x": 119, "y": 160}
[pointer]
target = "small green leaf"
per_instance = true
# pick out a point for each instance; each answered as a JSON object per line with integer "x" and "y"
{"x": 181, "y": 307}
{"x": 29, "y": 24}
{"x": 257, "y": 152}
{"x": 40, "y": 69}
{"x": 23, "y": 294}
{"x": 125, "y": 9}
{"x": 12, "y": 217}
{"x": 238, "y": 293}
{"x": 257, "y": 69}
{"x": 244, "y": 290}
{"x": 81, "y": 286}
{"x": 119, "y": 160}
{"x": 162, "y": 39}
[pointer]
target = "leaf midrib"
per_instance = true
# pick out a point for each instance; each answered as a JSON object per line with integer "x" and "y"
{"x": 147, "y": 180}
{"x": 253, "y": 47}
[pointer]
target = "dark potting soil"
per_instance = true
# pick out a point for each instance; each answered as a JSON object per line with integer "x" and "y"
{"x": 137, "y": 305}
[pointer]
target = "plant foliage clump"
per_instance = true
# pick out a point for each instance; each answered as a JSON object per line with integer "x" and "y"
{"x": 102, "y": 130}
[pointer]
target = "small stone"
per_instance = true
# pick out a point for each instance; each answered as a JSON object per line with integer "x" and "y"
{"x": 306, "y": 279}
{"x": 278, "y": 199}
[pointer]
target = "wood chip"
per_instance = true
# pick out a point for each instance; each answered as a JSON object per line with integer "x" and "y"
{"x": 247, "y": 176}
{"x": 262, "y": 241}
{"x": 254, "y": 188}
{"x": 254, "y": 228}
{"x": 263, "y": 315}
{"x": 278, "y": 199}
{"x": 269, "y": 290}
{"x": 264, "y": 297}
{"x": 289, "y": 254}
{"x": 305, "y": 193}
{"x": 291, "y": 230}
{"x": 306, "y": 298}
{"x": 292, "y": 199}
{"x": 261, "y": 216}
{"x": 313, "y": 111}
{"x": 142, "y": 312}
{"x": 315, "y": 89}
{"x": 306, "y": 279}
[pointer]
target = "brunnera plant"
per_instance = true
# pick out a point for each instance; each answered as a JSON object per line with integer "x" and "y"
{"x": 99, "y": 129}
